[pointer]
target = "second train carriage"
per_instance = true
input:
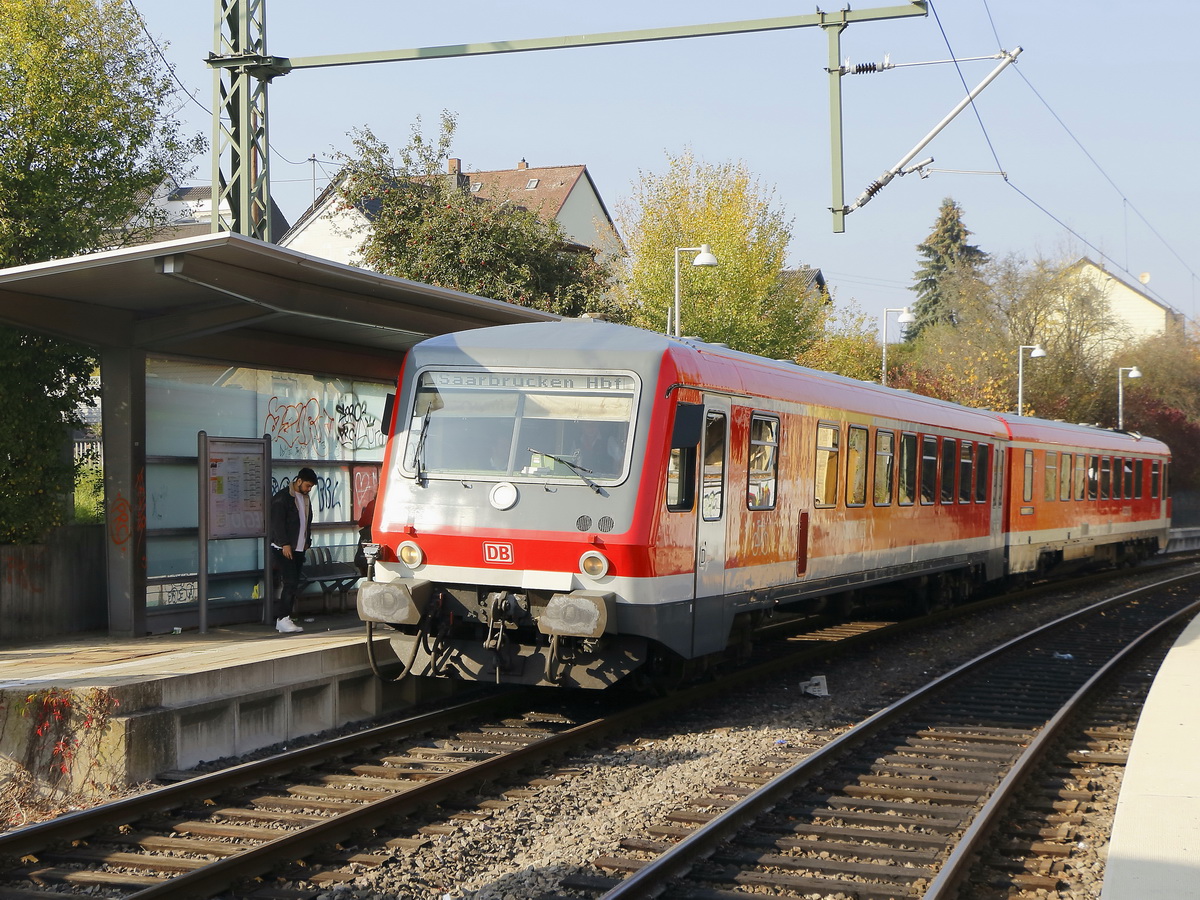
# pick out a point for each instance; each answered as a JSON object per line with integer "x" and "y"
{"x": 566, "y": 503}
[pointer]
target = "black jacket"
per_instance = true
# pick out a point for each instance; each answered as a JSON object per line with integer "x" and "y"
{"x": 285, "y": 520}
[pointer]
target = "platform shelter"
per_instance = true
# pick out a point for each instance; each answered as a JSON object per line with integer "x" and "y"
{"x": 238, "y": 338}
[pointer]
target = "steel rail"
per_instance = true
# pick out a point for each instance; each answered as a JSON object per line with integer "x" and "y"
{"x": 261, "y": 858}
{"x": 955, "y": 867}
{"x": 656, "y": 876}
{"x": 83, "y": 823}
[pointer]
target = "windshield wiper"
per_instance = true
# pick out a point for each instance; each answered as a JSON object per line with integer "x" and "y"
{"x": 579, "y": 470}
{"x": 419, "y": 451}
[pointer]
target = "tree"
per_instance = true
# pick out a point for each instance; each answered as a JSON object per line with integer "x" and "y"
{"x": 83, "y": 144}
{"x": 1008, "y": 303}
{"x": 748, "y": 300}
{"x": 949, "y": 268}
{"x": 847, "y": 345}
{"x": 83, "y": 138}
{"x": 426, "y": 226}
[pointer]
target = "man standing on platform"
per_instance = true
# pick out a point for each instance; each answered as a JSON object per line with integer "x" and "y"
{"x": 291, "y": 536}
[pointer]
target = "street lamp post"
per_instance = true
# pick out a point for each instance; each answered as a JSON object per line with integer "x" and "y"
{"x": 1134, "y": 372}
{"x": 704, "y": 257}
{"x": 905, "y": 318}
{"x": 1035, "y": 352}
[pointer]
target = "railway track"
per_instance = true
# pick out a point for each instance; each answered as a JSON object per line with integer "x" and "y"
{"x": 343, "y": 807}
{"x": 205, "y": 835}
{"x": 900, "y": 805}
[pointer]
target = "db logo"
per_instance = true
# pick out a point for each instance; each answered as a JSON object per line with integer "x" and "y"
{"x": 498, "y": 554}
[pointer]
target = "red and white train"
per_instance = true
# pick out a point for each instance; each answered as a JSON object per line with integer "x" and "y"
{"x": 566, "y": 503}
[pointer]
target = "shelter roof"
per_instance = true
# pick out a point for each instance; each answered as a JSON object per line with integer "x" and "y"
{"x": 232, "y": 298}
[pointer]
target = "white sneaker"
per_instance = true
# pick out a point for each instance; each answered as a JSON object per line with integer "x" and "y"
{"x": 287, "y": 626}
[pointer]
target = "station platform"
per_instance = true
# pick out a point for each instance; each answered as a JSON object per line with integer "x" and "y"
{"x": 1154, "y": 852}
{"x": 117, "y": 711}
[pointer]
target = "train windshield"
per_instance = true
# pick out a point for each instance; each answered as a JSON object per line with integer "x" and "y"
{"x": 553, "y": 425}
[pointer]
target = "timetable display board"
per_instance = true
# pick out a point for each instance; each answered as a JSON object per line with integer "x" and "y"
{"x": 237, "y": 472}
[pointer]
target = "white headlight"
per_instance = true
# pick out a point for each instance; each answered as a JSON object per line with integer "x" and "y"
{"x": 410, "y": 554}
{"x": 593, "y": 564}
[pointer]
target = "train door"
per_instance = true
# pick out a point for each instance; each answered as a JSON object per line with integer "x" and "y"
{"x": 709, "y": 613}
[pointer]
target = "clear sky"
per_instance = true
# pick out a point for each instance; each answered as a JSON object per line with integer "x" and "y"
{"x": 1096, "y": 126}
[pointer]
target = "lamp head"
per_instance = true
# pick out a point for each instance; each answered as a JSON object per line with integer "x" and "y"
{"x": 705, "y": 257}
{"x": 1135, "y": 372}
{"x": 1037, "y": 352}
{"x": 906, "y": 317}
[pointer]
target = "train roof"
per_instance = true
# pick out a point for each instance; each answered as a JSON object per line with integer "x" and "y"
{"x": 598, "y": 344}
{"x": 1108, "y": 440}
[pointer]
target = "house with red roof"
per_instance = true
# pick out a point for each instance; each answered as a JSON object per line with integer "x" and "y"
{"x": 564, "y": 194}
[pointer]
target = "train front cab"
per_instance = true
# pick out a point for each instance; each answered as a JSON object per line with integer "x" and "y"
{"x": 1079, "y": 496}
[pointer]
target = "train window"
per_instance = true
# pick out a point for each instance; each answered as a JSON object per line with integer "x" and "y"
{"x": 1139, "y": 472}
{"x": 1118, "y": 478}
{"x": 998, "y": 471}
{"x": 1050, "y": 484}
{"x": 1027, "y": 489}
{"x": 907, "y": 489}
{"x": 1105, "y": 478}
{"x": 712, "y": 490}
{"x": 1166, "y": 481}
{"x": 1064, "y": 476}
{"x": 929, "y": 462}
{"x": 982, "y": 452}
{"x": 1080, "y": 476}
{"x": 1093, "y": 474}
{"x": 949, "y": 465}
{"x": 1154, "y": 478}
{"x": 965, "y": 459}
{"x": 1127, "y": 472}
{"x": 856, "y": 466}
{"x": 885, "y": 459}
{"x": 827, "y": 465}
{"x": 681, "y": 479}
{"x": 764, "y": 462}
{"x": 517, "y": 424}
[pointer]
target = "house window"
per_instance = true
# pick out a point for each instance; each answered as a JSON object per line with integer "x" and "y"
{"x": 531, "y": 184}
{"x": 475, "y": 186}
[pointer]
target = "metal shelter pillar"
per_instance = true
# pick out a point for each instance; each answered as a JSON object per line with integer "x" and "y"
{"x": 123, "y": 380}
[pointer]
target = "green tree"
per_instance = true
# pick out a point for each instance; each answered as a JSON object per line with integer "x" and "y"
{"x": 426, "y": 226}
{"x": 748, "y": 300}
{"x": 847, "y": 345}
{"x": 949, "y": 269}
{"x": 83, "y": 144}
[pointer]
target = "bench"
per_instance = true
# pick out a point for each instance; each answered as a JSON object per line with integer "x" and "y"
{"x": 332, "y": 575}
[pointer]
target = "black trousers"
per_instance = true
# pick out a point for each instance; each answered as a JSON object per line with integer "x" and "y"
{"x": 290, "y": 571}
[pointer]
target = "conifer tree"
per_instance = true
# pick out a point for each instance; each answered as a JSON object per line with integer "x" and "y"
{"x": 949, "y": 267}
